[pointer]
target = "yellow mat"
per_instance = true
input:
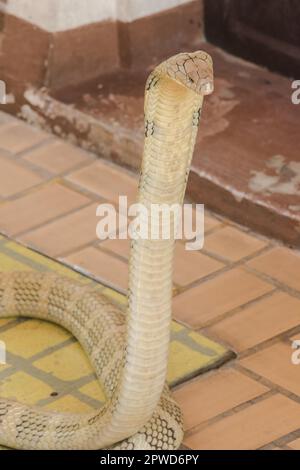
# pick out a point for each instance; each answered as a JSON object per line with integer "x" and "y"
{"x": 46, "y": 366}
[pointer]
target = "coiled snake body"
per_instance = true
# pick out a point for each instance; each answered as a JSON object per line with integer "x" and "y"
{"x": 129, "y": 353}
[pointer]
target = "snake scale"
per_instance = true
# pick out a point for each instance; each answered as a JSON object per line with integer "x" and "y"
{"x": 129, "y": 353}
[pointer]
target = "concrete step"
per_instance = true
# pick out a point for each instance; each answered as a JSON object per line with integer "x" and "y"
{"x": 246, "y": 163}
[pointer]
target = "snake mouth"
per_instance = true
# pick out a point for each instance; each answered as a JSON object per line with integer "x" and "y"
{"x": 206, "y": 87}
{"x": 203, "y": 86}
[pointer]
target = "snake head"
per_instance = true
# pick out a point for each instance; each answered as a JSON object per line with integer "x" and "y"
{"x": 193, "y": 70}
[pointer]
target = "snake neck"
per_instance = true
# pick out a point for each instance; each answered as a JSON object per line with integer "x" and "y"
{"x": 171, "y": 121}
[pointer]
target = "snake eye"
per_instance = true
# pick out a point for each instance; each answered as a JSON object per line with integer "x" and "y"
{"x": 191, "y": 80}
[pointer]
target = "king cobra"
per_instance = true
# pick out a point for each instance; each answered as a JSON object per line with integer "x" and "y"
{"x": 129, "y": 352}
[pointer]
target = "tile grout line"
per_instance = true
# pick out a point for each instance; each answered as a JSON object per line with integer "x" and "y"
{"x": 231, "y": 412}
{"x": 56, "y": 218}
{"x": 43, "y": 143}
{"x": 266, "y": 382}
{"x": 283, "y": 337}
{"x": 238, "y": 309}
{"x": 275, "y": 282}
{"x": 62, "y": 174}
{"x": 226, "y": 268}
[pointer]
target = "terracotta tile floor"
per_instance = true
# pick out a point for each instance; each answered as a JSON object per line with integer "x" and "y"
{"x": 241, "y": 291}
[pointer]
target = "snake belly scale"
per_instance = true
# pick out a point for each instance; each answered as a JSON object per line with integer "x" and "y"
{"x": 129, "y": 353}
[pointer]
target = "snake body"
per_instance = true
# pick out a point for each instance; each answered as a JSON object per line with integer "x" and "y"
{"x": 128, "y": 352}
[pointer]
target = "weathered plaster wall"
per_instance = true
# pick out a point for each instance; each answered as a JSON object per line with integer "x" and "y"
{"x": 59, "y": 44}
{"x": 62, "y": 15}
{"x": 130, "y": 10}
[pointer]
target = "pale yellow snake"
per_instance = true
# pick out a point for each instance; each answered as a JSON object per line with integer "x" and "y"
{"x": 129, "y": 353}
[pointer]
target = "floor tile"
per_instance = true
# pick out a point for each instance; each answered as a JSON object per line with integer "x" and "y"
{"x": 117, "y": 246}
{"x": 69, "y": 404}
{"x": 14, "y": 178}
{"x": 94, "y": 390}
{"x": 18, "y": 137}
{"x": 281, "y": 264}
{"x": 259, "y": 322}
{"x": 33, "y": 260}
{"x": 57, "y": 157}
{"x": 102, "y": 265}
{"x": 106, "y": 181}
{"x": 33, "y": 336}
{"x": 192, "y": 265}
{"x": 294, "y": 444}
{"x": 66, "y": 234}
{"x": 275, "y": 364}
{"x": 209, "y": 300}
{"x": 39, "y": 207}
{"x": 211, "y": 223}
{"x": 24, "y": 388}
{"x": 214, "y": 394}
{"x": 7, "y": 264}
{"x": 69, "y": 363}
{"x": 186, "y": 362}
{"x": 250, "y": 428}
{"x": 191, "y": 353}
{"x": 232, "y": 244}
{"x": 6, "y": 118}
{"x": 5, "y": 322}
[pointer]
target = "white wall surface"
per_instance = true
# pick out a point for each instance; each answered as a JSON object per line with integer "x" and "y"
{"x": 129, "y": 10}
{"x": 61, "y": 15}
